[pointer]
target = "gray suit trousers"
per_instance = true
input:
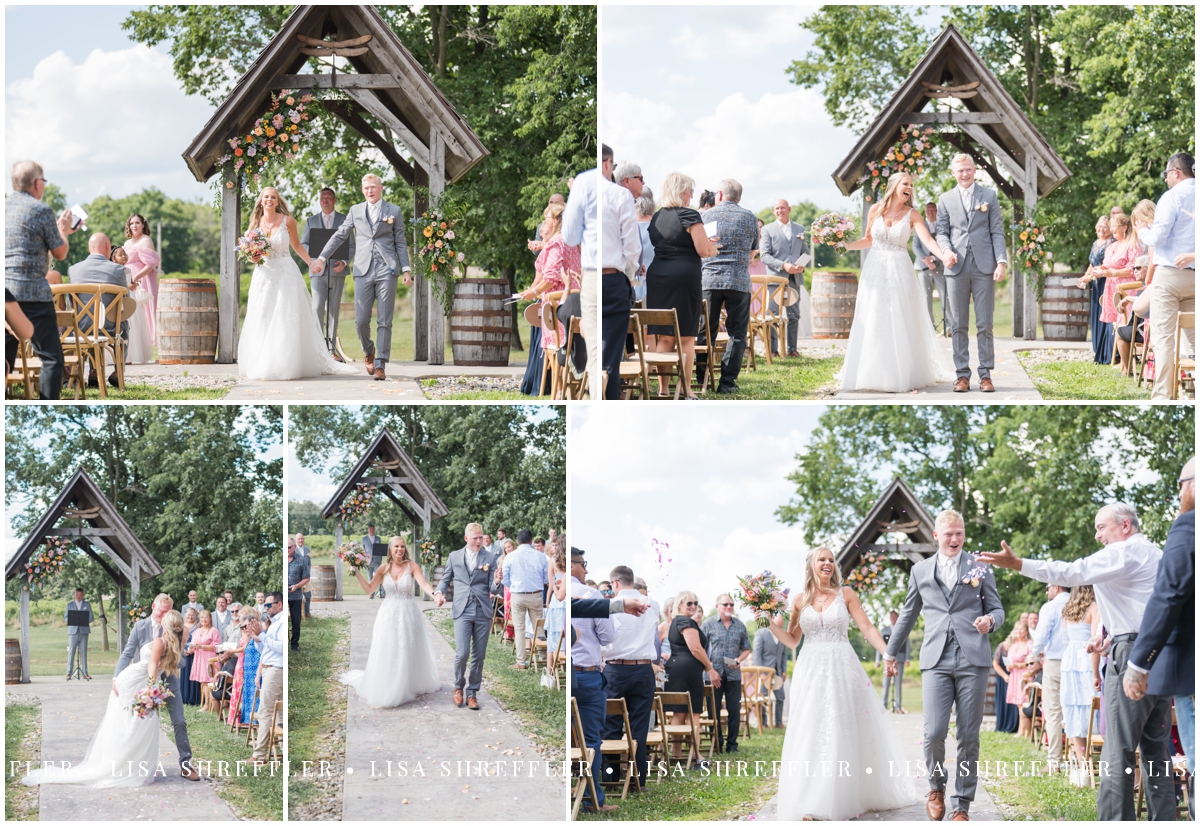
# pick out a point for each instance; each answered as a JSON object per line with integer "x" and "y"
{"x": 954, "y": 683}
{"x": 1144, "y": 723}
{"x": 175, "y": 706}
{"x": 471, "y": 631}
{"x": 369, "y": 291}
{"x": 970, "y": 283}
{"x": 77, "y": 643}
{"x": 327, "y": 298}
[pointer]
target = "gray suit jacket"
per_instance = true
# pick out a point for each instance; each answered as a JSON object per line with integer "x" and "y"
{"x": 920, "y": 251}
{"x": 96, "y": 269}
{"x": 776, "y": 249}
{"x": 980, "y": 232}
{"x": 770, "y": 652}
{"x": 383, "y": 240}
{"x": 75, "y": 630}
{"x": 316, "y": 222}
{"x": 948, "y": 606}
{"x": 470, "y": 585}
{"x": 376, "y": 548}
{"x": 141, "y": 633}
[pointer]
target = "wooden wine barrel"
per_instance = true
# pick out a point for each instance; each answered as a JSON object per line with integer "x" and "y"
{"x": 324, "y": 586}
{"x": 187, "y": 321}
{"x": 1065, "y": 308}
{"x": 480, "y": 324}
{"x": 833, "y": 298}
{"x": 12, "y": 661}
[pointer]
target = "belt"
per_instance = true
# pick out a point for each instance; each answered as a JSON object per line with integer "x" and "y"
{"x": 586, "y": 667}
{"x": 611, "y": 271}
{"x": 1125, "y": 637}
{"x": 264, "y": 665}
{"x": 538, "y": 591}
{"x": 629, "y": 662}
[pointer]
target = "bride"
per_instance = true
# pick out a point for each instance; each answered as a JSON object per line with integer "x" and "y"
{"x": 400, "y": 663}
{"x": 892, "y": 347}
{"x": 124, "y": 749}
{"x": 280, "y": 338}
{"x": 835, "y": 716}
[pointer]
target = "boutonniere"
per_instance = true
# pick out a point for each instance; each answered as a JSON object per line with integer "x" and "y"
{"x": 975, "y": 576}
{"x": 983, "y": 207}
{"x": 485, "y": 567}
{"x": 391, "y": 219}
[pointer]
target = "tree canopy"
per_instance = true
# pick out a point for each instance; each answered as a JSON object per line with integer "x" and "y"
{"x": 503, "y": 466}
{"x": 191, "y": 481}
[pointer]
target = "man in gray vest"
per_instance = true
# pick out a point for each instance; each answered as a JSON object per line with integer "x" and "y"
{"x": 470, "y": 571}
{"x": 377, "y": 548}
{"x": 781, "y": 245}
{"x": 77, "y": 635}
{"x": 327, "y": 287}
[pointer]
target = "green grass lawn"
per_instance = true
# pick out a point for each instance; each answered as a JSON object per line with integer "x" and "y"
{"x": 252, "y": 797}
{"x": 694, "y": 795}
{"x": 1038, "y": 797}
{"x": 147, "y": 392}
{"x": 22, "y": 727}
{"x": 804, "y": 377}
{"x": 316, "y": 706}
{"x": 541, "y": 712}
{"x": 1082, "y": 380}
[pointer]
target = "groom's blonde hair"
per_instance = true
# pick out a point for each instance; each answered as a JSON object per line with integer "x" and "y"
{"x": 948, "y": 517}
{"x": 161, "y": 598}
{"x": 371, "y": 176}
{"x": 961, "y": 158}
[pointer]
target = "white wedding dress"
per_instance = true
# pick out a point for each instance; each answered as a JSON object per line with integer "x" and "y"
{"x": 834, "y": 715}
{"x": 124, "y": 749}
{"x": 892, "y": 347}
{"x": 400, "y": 662}
{"x": 280, "y": 338}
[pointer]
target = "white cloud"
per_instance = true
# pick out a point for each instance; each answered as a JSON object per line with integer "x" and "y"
{"x": 114, "y": 124}
{"x": 743, "y": 33}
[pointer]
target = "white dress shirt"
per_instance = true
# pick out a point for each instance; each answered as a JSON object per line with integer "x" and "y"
{"x": 621, "y": 245}
{"x": 786, "y": 227}
{"x": 634, "y": 635}
{"x": 580, "y": 220}
{"x": 374, "y": 210}
{"x": 1051, "y": 635}
{"x": 270, "y": 643}
{"x": 1174, "y": 230}
{"x": 1122, "y": 575}
{"x": 472, "y": 559}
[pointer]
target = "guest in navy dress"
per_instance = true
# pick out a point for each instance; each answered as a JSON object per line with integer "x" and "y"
{"x": 1102, "y": 335}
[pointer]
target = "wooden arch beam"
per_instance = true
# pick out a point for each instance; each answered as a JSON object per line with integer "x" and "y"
{"x": 359, "y": 124}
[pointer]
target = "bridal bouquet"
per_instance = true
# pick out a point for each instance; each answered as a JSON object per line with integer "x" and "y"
{"x": 764, "y": 594}
{"x": 354, "y": 556}
{"x": 253, "y": 247}
{"x": 151, "y": 698}
{"x": 833, "y": 229}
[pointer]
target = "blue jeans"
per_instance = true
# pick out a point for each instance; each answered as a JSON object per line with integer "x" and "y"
{"x": 587, "y": 687}
{"x": 1185, "y": 718}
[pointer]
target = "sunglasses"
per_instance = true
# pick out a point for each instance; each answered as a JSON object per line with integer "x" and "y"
{"x": 691, "y": 604}
{"x": 725, "y": 605}
{"x": 268, "y": 604}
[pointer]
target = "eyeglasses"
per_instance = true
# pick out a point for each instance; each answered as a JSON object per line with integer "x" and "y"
{"x": 638, "y": 178}
{"x": 1186, "y": 479}
{"x": 1136, "y": 269}
{"x": 691, "y": 604}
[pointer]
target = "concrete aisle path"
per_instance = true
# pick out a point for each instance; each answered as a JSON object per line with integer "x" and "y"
{"x": 71, "y": 712}
{"x": 461, "y": 764}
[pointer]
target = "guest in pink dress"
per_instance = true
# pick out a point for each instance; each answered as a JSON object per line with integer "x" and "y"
{"x": 143, "y": 264}
{"x": 1018, "y": 652}
{"x": 558, "y": 266}
{"x": 205, "y": 640}
{"x": 1118, "y": 259}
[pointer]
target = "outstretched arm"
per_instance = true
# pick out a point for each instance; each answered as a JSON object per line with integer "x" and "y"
{"x": 375, "y": 580}
{"x": 419, "y": 576}
{"x": 339, "y": 236}
{"x": 867, "y": 628}
{"x": 790, "y": 637}
{"x": 865, "y": 241}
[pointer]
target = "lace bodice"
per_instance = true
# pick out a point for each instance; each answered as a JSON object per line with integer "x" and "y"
{"x": 398, "y": 588}
{"x": 893, "y": 238}
{"x": 280, "y": 243}
{"x": 830, "y": 625}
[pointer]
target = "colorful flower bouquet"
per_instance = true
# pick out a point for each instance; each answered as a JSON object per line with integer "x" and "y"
{"x": 47, "y": 562}
{"x": 764, "y": 594}
{"x": 357, "y": 503}
{"x": 353, "y": 554}
{"x": 909, "y": 154}
{"x": 865, "y": 577}
{"x": 1032, "y": 254}
{"x": 428, "y": 552}
{"x": 253, "y": 247}
{"x": 151, "y": 698}
{"x": 832, "y": 229}
{"x": 280, "y": 133}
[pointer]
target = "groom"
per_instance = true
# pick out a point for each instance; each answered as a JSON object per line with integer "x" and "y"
{"x": 970, "y": 229}
{"x": 380, "y": 252}
{"x": 144, "y": 631}
{"x": 470, "y": 570}
{"x": 957, "y": 596}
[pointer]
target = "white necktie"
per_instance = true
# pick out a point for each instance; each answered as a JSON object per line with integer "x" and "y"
{"x": 472, "y": 558}
{"x": 966, "y": 199}
{"x": 787, "y": 230}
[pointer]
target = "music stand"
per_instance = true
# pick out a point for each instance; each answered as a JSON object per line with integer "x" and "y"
{"x": 78, "y": 619}
{"x": 318, "y": 237}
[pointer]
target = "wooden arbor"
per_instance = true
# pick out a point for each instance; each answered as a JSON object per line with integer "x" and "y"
{"x": 990, "y": 127}
{"x": 385, "y": 465}
{"x": 101, "y": 533}
{"x": 390, "y": 85}
{"x": 897, "y": 510}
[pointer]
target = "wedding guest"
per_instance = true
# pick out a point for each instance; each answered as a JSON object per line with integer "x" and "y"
{"x": 644, "y": 209}
{"x": 726, "y": 278}
{"x": 77, "y": 635}
{"x": 1007, "y": 715}
{"x": 498, "y": 545}
{"x": 559, "y": 268}
{"x": 1080, "y": 670}
{"x": 1123, "y": 575}
{"x": 628, "y": 670}
{"x": 303, "y": 550}
{"x": 31, "y": 233}
{"x": 629, "y": 175}
{"x": 222, "y": 617}
{"x": 228, "y": 597}
{"x": 299, "y": 571}
{"x": 929, "y": 267}
{"x": 556, "y": 611}
{"x": 189, "y": 688}
{"x": 1118, "y": 259}
{"x": 1135, "y": 304}
{"x": 260, "y": 603}
{"x": 235, "y": 646}
{"x": 606, "y": 589}
{"x": 539, "y": 544}
{"x": 757, "y": 267}
{"x": 526, "y": 572}
{"x": 727, "y": 640}
{"x": 193, "y": 602}
{"x": 270, "y": 646}
{"x": 1173, "y": 236}
{"x": 781, "y": 246}
{"x": 205, "y": 640}
{"x": 1092, "y": 281}
{"x": 708, "y": 200}
{"x": 1050, "y": 644}
{"x": 770, "y": 652}
{"x": 581, "y": 228}
{"x": 97, "y": 269}
{"x": 689, "y": 663}
{"x": 903, "y": 658}
{"x": 248, "y": 662}
{"x": 1018, "y": 653}
{"x": 16, "y": 321}
{"x": 664, "y": 627}
{"x": 327, "y": 286}
{"x": 143, "y": 264}
{"x": 587, "y": 676}
{"x": 503, "y": 591}
{"x": 621, "y": 251}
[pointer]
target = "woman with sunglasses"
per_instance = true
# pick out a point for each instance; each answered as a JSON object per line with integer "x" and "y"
{"x": 689, "y": 663}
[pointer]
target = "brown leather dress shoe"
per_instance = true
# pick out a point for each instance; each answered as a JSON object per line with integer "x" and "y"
{"x": 960, "y": 816}
{"x": 458, "y": 697}
{"x": 379, "y": 374}
{"x": 188, "y": 773}
{"x": 986, "y": 386}
{"x": 962, "y": 385}
{"x": 369, "y": 361}
{"x": 935, "y": 801}
{"x": 472, "y": 703}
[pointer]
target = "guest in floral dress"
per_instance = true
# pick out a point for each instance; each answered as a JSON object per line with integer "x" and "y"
{"x": 245, "y": 675}
{"x": 1118, "y": 259}
{"x": 205, "y": 640}
{"x": 1018, "y": 651}
{"x": 559, "y": 268}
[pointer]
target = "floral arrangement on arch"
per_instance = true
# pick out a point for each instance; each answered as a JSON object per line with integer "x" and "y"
{"x": 866, "y": 576}
{"x": 428, "y": 552}
{"x": 438, "y": 248}
{"x": 280, "y": 133}
{"x": 137, "y": 611}
{"x": 909, "y": 154}
{"x": 357, "y": 502}
{"x": 1032, "y": 254}
{"x": 46, "y": 562}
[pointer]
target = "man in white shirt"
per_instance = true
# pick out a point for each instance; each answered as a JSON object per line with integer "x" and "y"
{"x": 270, "y": 666}
{"x": 581, "y": 228}
{"x": 221, "y": 618}
{"x": 1050, "y": 642}
{"x": 193, "y": 604}
{"x": 1122, "y": 575}
{"x": 628, "y": 668}
{"x": 620, "y": 253}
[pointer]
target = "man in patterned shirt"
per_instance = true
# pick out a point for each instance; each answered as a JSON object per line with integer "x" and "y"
{"x": 726, "y": 279}
{"x": 30, "y": 233}
{"x": 728, "y": 640}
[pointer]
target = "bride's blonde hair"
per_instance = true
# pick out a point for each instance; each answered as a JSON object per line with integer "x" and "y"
{"x": 172, "y": 625}
{"x": 257, "y": 214}
{"x": 890, "y": 192}
{"x": 812, "y": 583}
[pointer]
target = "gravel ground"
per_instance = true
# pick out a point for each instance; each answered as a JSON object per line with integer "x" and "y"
{"x": 441, "y": 388}
{"x": 1033, "y": 357}
{"x": 182, "y": 382}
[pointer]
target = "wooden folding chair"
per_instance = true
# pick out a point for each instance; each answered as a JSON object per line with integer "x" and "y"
{"x": 26, "y": 371}
{"x": 557, "y": 668}
{"x": 73, "y": 357}
{"x": 707, "y": 724}
{"x": 756, "y": 688}
{"x": 537, "y": 646}
{"x": 1094, "y": 744}
{"x": 550, "y": 366}
{"x": 688, "y": 732}
{"x": 275, "y": 738}
{"x": 1187, "y": 321}
{"x": 1037, "y": 724}
{"x": 1123, "y": 290}
{"x": 766, "y": 289}
{"x": 252, "y": 727}
{"x": 671, "y": 364}
{"x": 87, "y": 301}
{"x": 625, "y": 747}
{"x": 498, "y": 614}
{"x": 658, "y": 745}
{"x": 708, "y": 350}
{"x": 574, "y": 388}
{"x": 581, "y": 763}
{"x": 634, "y": 377}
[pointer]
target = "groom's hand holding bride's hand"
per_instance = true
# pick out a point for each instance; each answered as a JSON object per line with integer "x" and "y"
{"x": 891, "y": 668}
{"x": 438, "y": 599}
{"x": 949, "y": 258}
{"x": 317, "y": 266}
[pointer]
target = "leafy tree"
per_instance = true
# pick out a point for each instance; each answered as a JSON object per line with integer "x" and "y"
{"x": 305, "y": 518}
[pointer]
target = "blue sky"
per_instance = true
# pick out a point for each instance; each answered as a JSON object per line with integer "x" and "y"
{"x": 706, "y": 479}
{"x": 103, "y": 115}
